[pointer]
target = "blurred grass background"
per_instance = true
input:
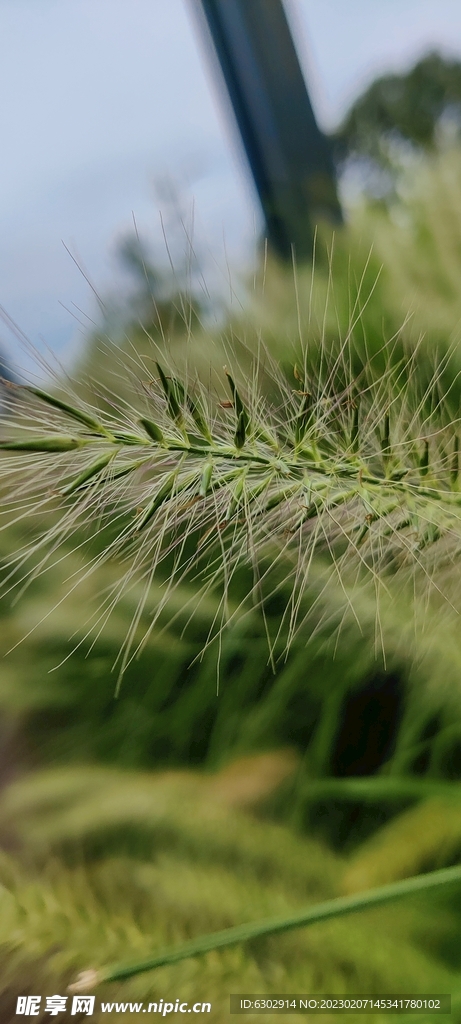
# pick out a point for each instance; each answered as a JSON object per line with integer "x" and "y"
{"x": 128, "y": 824}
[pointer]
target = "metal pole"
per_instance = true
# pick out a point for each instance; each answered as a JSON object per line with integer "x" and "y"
{"x": 289, "y": 155}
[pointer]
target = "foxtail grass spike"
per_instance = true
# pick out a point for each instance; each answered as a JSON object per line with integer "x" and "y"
{"x": 286, "y": 477}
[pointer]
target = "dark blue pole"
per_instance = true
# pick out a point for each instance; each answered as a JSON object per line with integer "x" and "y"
{"x": 289, "y": 156}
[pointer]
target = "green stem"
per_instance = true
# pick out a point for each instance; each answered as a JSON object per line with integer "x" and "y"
{"x": 321, "y": 746}
{"x": 385, "y": 787}
{"x": 327, "y": 470}
{"x": 256, "y": 929}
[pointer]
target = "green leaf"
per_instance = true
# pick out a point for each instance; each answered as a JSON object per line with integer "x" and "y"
{"x": 424, "y": 460}
{"x": 303, "y": 418}
{"x": 197, "y": 441}
{"x": 88, "y": 473}
{"x": 125, "y": 438}
{"x": 70, "y": 410}
{"x": 236, "y": 496}
{"x": 206, "y": 479}
{"x": 385, "y": 440}
{"x": 376, "y": 789}
{"x": 238, "y": 404}
{"x": 125, "y": 468}
{"x": 429, "y": 535}
{"x": 283, "y": 495}
{"x": 198, "y": 416}
{"x": 454, "y": 466}
{"x": 355, "y": 426}
{"x": 240, "y": 433}
{"x": 164, "y": 492}
{"x": 258, "y": 489}
{"x": 152, "y": 430}
{"x": 327, "y": 910}
{"x": 263, "y": 435}
{"x": 179, "y": 390}
{"x": 57, "y": 443}
{"x": 174, "y": 392}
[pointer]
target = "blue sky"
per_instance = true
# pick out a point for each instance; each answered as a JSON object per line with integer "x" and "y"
{"x": 107, "y": 103}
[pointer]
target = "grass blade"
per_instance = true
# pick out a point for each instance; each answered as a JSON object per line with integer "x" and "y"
{"x": 88, "y": 473}
{"x": 256, "y": 929}
{"x": 171, "y": 395}
{"x": 70, "y": 410}
{"x": 58, "y": 443}
{"x": 152, "y": 430}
